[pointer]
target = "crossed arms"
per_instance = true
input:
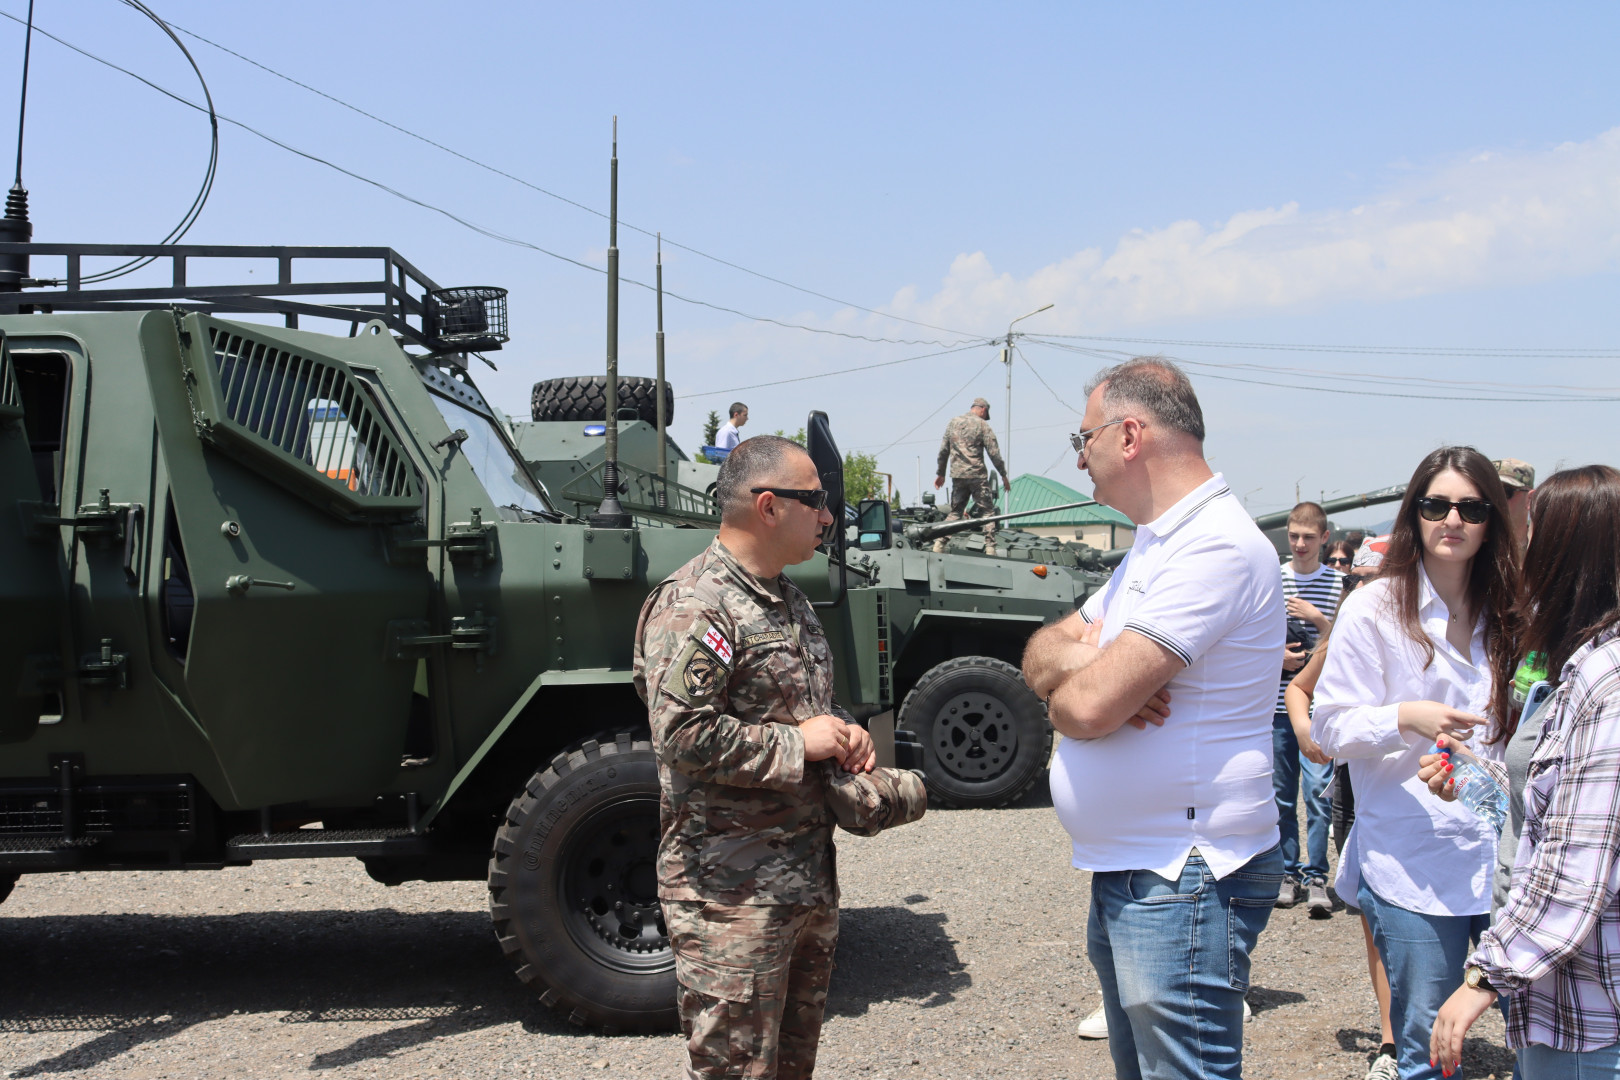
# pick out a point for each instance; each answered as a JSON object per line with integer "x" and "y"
{"x": 1090, "y": 691}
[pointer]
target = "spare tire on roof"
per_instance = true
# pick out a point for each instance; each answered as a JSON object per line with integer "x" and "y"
{"x": 584, "y": 397}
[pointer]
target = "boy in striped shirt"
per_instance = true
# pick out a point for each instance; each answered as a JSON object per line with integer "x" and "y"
{"x": 1312, "y": 592}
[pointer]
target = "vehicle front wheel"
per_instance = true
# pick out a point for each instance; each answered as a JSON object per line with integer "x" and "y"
{"x": 984, "y": 733}
{"x": 573, "y": 888}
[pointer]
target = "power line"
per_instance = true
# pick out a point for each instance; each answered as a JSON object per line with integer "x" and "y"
{"x": 826, "y": 374}
{"x": 1055, "y": 395}
{"x": 554, "y": 195}
{"x": 954, "y": 395}
{"x": 1508, "y": 394}
{"x": 1386, "y": 350}
{"x": 482, "y": 230}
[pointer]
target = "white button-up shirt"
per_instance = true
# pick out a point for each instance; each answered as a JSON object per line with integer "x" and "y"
{"x": 1202, "y": 581}
{"x": 727, "y": 437}
{"x": 1414, "y": 850}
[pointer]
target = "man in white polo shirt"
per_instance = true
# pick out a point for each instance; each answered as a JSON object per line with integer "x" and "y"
{"x": 1163, "y": 686}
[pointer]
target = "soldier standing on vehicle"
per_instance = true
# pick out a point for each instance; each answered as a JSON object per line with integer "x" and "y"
{"x": 967, "y": 438}
{"x": 738, "y": 678}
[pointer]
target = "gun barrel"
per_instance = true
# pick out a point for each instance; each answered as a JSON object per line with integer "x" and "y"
{"x": 920, "y": 533}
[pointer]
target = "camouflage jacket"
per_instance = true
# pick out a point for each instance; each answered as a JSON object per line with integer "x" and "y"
{"x": 728, "y": 670}
{"x": 967, "y": 439}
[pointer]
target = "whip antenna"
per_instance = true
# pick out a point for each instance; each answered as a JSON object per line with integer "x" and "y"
{"x": 15, "y": 228}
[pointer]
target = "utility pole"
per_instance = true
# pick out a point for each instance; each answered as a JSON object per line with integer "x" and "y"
{"x": 1007, "y": 358}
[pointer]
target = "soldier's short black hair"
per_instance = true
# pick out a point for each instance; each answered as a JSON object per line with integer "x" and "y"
{"x": 1157, "y": 387}
{"x": 754, "y": 463}
{"x": 737, "y": 407}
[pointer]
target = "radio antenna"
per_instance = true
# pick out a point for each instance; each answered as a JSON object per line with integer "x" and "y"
{"x": 15, "y": 228}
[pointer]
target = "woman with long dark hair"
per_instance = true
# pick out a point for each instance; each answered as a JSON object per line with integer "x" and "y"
{"x": 1554, "y": 948}
{"x": 1412, "y": 659}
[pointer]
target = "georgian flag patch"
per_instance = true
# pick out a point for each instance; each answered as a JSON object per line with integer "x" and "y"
{"x": 717, "y": 644}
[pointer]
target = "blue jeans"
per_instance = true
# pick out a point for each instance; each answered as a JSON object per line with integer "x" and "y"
{"x": 1288, "y": 770}
{"x": 1423, "y": 956}
{"x": 1173, "y": 960}
{"x": 1540, "y": 1062}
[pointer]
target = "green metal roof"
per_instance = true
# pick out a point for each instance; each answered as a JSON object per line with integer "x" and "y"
{"x": 1030, "y": 492}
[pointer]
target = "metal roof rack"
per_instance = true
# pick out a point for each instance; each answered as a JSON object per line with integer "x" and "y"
{"x": 407, "y": 301}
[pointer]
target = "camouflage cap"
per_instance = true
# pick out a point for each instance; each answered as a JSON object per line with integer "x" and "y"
{"x": 867, "y": 803}
{"x": 1515, "y": 473}
{"x": 980, "y": 403}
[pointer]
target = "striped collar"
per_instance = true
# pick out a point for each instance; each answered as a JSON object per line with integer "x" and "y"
{"x": 1188, "y": 505}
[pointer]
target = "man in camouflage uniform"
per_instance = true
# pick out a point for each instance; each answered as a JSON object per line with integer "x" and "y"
{"x": 1519, "y": 478}
{"x": 967, "y": 438}
{"x": 738, "y": 680}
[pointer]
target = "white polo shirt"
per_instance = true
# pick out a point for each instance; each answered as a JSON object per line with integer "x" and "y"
{"x": 1202, "y": 581}
{"x": 727, "y": 437}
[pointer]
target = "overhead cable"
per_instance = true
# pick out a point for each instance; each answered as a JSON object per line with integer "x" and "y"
{"x": 554, "y": 195}
{"x": 483, "y": 230}
{"x": 827, "y": 374}
{"x": 1387, "y": 350}
{"x": 1507, "y": 394}
{"x": 955, "y": 394}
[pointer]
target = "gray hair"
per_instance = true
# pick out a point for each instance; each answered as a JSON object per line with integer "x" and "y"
{"x": 756, "y": 462}
{"x": 1157, "y": 387}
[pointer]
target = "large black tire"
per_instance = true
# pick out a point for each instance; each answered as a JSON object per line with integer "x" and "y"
{"x": 584, "y": 397}
{"x": 985, "y": 737}
{"x": 573, "y": 888}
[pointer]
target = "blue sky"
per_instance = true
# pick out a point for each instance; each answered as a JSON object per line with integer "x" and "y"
{"x": 1414, "y": 179}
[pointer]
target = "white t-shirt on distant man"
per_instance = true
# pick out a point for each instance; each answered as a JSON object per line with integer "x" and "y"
{"x": 728, "y": 436}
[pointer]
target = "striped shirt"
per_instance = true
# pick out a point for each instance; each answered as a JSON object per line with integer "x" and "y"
{"x": 1554, "y": 949}
{"x": 1321, "y": 587}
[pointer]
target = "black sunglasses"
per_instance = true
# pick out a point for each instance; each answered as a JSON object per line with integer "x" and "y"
{"x": 1338, "y": 560}
{"x": 1473, "y": 511}
{"x": 814, "y": 498}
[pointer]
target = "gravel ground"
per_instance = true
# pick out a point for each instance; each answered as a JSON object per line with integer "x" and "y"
{"x": 962, "y": 955}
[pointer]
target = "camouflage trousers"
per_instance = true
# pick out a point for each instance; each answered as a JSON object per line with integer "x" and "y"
{"x": 752, "y": 985}
{"x": 983, "y": 491}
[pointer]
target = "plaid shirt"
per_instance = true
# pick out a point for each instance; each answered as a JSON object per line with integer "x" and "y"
{"x": 1554, "y": 949}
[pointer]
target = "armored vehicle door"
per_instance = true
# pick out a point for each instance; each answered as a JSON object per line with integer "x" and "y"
{"x": 286, "y": 470}
{"x": 33, "y": 593}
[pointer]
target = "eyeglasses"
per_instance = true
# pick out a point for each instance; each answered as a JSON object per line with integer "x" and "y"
{"x": 1473, "y": 511}
{"x": 1338, "y": 560}
{"x": 814, "y": 498}
{"x": 1079, "y": 441}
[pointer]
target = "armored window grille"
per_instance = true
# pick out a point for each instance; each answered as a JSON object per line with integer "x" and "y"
{"x": 307, "y": 417}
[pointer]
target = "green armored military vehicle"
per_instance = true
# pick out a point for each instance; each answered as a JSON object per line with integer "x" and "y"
{"x": 271, "y": 593}
{"x": 927, "y": 644}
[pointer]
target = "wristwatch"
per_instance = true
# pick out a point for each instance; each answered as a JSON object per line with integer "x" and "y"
{"x": 1474, "y": 978}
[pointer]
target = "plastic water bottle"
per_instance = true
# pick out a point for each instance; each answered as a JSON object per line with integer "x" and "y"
{"x": 1476, "y": 788}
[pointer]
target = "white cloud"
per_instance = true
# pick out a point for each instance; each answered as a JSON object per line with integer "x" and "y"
{"x": 1492, "y": 219}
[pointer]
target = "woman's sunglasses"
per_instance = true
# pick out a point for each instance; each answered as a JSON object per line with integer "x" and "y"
{"x": 1338, "y": 560}
{"x": 1473, "y": 511}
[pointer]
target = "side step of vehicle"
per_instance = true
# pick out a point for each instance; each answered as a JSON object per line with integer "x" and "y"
{"x": 314, "y": 843}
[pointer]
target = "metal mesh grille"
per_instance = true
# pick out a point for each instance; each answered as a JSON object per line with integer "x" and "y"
{"x": 311, "y": 410}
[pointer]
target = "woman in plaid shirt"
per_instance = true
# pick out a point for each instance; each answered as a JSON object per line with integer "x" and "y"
{"x": 1554, "y": 949}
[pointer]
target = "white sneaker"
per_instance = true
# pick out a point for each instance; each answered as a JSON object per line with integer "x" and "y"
{"x": 1384, "y": 1067}
{"x": 1248, "y": 1013}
